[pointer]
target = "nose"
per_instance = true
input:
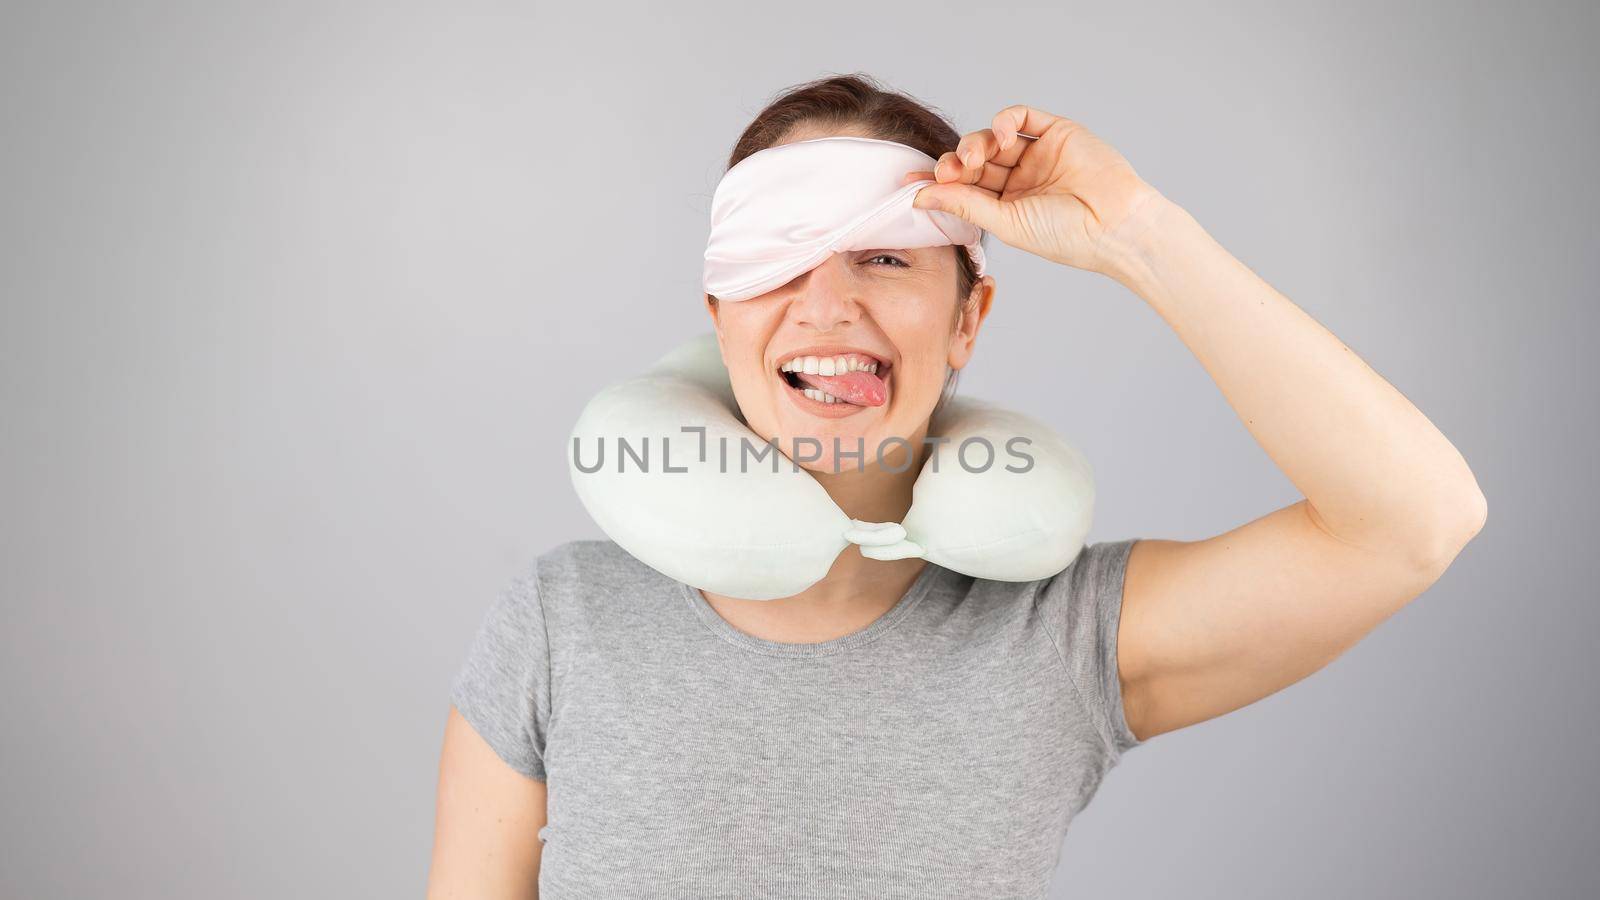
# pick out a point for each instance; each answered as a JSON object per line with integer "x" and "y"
{"x": 823, "y": 298}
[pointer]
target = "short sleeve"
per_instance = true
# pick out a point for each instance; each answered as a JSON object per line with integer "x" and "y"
{"x": 1082, "y": 607}
{"x": 503, "y": 688}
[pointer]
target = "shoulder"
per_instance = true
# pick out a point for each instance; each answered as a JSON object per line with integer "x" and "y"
{"x": 1069, "y": 607}
{"x": 1098, "y": 569}
{"x": 1081, "y": 609}
{"x": 586, "y": 565}
{"x": 1096, "y": 572}
{"x": 1085, "y": 597}
{"x": 591, "y": 579}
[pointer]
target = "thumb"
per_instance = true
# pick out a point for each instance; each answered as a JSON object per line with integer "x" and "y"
{"x": 970, "y": 203}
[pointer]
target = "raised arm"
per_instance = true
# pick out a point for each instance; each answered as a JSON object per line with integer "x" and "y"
{"x": 1210, "y": 626}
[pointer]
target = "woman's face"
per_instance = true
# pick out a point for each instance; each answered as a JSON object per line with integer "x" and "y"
{"x": 893, "y": 311}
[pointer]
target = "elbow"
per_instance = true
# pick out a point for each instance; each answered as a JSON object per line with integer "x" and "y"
{"x": 1455, "y": 525}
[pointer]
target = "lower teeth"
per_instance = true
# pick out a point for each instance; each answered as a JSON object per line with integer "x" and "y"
{"x": 815, "y": 394}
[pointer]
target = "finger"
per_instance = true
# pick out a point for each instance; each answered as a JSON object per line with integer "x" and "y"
{"x": 975, "y": 150}
{"x": 977, "y": 147}
{"x": 960, "y": 170}
{"x": 980, "y": 207}
{"x": 981, "y": 150}
{"x": 949, "y": 197}
{"x": 1021, "y": 117}
{"x": 993, "y": 178}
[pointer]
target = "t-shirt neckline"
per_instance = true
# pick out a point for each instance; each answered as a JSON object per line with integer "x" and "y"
{"x": 875, "y": 629}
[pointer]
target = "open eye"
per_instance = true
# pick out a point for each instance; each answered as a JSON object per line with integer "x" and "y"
{"x": 893, "y": 260}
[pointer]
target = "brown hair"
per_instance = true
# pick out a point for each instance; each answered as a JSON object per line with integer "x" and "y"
{"x": 860, "y": 102}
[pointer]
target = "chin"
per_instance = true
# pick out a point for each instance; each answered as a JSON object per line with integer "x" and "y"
{"x": 802, "y": 426}
{"x": 893, "y": 443}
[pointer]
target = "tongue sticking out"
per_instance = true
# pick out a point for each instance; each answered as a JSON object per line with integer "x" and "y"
{"x": 860, "y": 388}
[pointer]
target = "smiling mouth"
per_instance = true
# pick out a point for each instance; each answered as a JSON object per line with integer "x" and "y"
{"x": 847, "y": 379}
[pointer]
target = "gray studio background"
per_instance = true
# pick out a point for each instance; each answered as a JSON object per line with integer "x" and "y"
{"x": 300, "y": 302}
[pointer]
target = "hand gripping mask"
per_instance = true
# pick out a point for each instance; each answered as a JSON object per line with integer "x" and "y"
{"x": 668, "y": 469}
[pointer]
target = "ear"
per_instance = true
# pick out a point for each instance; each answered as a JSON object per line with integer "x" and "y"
{"x": 713, "y": 307}
{"x": 969, "y": 319}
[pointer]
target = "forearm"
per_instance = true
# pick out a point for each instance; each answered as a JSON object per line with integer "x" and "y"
{"x": 1375, "y": 471}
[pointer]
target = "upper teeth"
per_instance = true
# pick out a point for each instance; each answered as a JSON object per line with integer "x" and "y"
{"x": 829, "y": 365}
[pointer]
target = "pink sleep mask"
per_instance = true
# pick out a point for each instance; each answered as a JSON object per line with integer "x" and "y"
{"x": 782, "y": 211}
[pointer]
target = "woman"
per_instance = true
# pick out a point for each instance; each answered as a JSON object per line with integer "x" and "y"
{"x": 899, "y": 729}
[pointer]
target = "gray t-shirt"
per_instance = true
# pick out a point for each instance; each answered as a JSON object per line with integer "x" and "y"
{"x": 941, "y": 751}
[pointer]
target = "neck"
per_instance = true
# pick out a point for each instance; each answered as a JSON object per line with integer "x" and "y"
{"x": 871, "y": 493}
{"x": 856, "y": 590}
{"x": 879, "y": 493}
